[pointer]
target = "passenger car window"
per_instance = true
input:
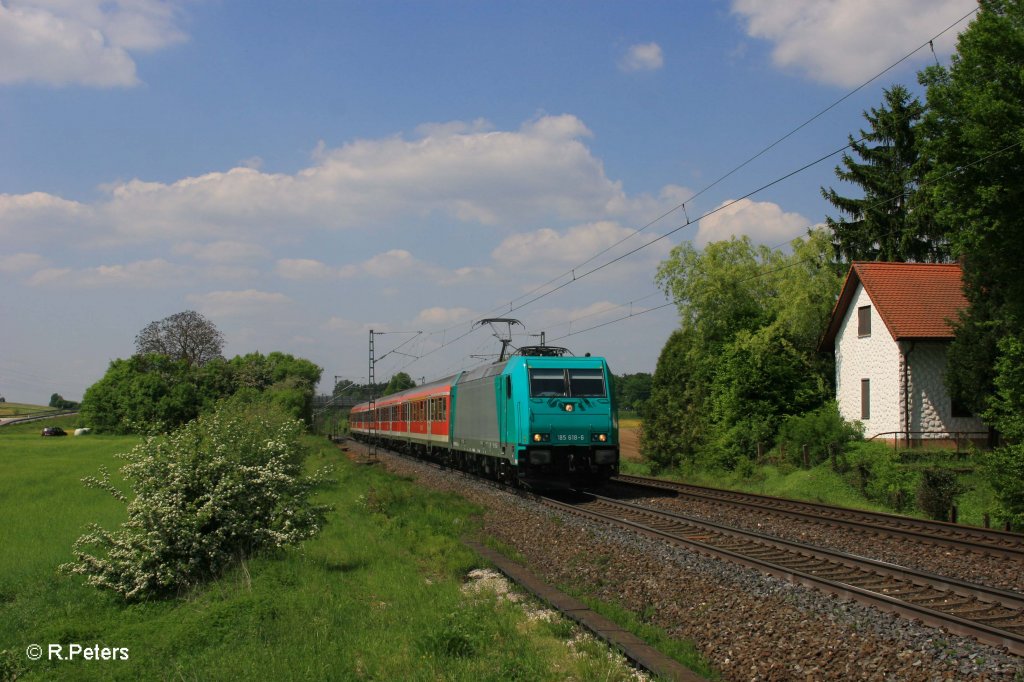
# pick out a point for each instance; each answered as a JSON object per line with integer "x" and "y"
{"x": 586, "y": 383}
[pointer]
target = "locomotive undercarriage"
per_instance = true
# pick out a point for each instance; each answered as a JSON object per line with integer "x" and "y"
{"x": 562, "y": 466}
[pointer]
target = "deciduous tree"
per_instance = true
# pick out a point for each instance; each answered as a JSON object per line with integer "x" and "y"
{"x": 184, "y": 336}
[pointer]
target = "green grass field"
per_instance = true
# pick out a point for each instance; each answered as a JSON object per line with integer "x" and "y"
{"x": 376, "y": 596}
{"x": 18, "y": 409}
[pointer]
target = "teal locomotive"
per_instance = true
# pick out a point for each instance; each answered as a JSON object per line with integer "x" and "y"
{"x": 540, "y": 417}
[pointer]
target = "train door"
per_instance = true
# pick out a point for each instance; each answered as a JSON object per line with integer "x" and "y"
{"x": 506, "y": 418}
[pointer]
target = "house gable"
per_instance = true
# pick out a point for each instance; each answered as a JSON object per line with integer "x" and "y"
{"x": 890, "y": 330}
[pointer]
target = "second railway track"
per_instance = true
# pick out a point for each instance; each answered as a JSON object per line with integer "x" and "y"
{"x": 981, "y": 540}
{"x": 989, "y": 615}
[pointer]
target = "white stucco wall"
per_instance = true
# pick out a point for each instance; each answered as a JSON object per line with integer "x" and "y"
{"x": 875, "y": 357}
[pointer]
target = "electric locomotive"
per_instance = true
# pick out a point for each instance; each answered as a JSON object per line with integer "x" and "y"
{"x": 541, "y": 417}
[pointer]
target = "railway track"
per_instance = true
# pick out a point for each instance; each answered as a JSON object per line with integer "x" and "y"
{"x": 986, "y": 614}
{"x": 982, "y": 540}
{"x": 989, "y": 615}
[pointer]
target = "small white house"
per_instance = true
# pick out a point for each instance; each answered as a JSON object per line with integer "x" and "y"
{"x": 890, "y": 331}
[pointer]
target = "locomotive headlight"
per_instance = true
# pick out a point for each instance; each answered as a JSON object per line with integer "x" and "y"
{"x": 536, "y": 438}
{"x": 569, "y": 407}
{"x": 541, "y": 437}
{"x": 602, "y": 437}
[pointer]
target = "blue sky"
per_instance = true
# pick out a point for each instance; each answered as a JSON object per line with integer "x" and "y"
{"x": 303, "y": 172}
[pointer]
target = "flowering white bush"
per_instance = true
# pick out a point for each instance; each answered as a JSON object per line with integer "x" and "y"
{"x": 217, "y": 490}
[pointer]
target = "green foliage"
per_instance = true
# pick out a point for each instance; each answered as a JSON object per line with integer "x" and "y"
{"x": 153, "y": 393}
{"x": 745, "y": 354}
{"x": 1004, "y": 470}
{"x": 937, "y": 492}
{"x": 889, "y": 222}
{"x": 674, "y": 428}
{"x": 57, "y": 401}
{"x": 399, "y": 382}
{"x": 760, "y": 377}
{"x": 214, "y": 492}
{"x": 149, "y": 393}
{"x": 877, "y": 473}
{"x": 974, "y": 122}
{"x": 823, "y": 430}
{"x": 633, "y": 390}
{"x": 1005, "y": 466}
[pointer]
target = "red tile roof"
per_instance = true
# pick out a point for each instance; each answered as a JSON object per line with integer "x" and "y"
{"x": 915, "y": 300}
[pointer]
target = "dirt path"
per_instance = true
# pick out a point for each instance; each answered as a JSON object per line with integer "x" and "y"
{"x": 629, "y": 443}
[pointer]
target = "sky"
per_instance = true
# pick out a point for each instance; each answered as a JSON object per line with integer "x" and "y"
{"x": 304, "y": 172}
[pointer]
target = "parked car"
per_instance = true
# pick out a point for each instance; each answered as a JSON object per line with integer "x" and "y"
{"x": 54, "y": 431}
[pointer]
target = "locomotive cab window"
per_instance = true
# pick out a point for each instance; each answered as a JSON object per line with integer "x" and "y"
{"x": 547, "y": 383}
{"x": 586, "y": 383}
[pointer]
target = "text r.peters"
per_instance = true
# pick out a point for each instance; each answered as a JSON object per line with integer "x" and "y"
{"x": 71, "y": 652}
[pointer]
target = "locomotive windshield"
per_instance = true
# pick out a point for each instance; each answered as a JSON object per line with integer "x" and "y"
{"x": 547, "y": 383}
{"x": 560, "y": 383}
{"x": 586, "y": 383}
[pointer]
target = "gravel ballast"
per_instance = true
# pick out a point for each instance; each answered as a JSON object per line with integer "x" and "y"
{"x": 748, "y": 625}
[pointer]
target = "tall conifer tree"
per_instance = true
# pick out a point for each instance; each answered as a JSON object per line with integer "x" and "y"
{"x": 887, "y": 223}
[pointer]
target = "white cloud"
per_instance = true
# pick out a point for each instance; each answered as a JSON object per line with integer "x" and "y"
{"x": 224, "y": 251}
{"x": 148, "y": 273}
{"x": 762, "y": 221}
{"x": 22, "y": 262}
{"x": 304, "y": 268}
{"x": 441, "y": 317}
{"x": 237, "y": 303}
{"x": 547, "y": 248}
{"x": 85, "y": 42}
{"x": 642, "y": 57}
{"x": 844, "y": 42}
{"x": 540, "y": 173}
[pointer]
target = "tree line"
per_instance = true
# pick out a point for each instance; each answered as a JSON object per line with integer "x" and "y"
{"x": 938, "y": 181}
{"x": 178, "y": 373}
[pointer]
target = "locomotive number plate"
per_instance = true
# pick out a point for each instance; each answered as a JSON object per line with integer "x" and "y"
{"x": 570, "y": 437}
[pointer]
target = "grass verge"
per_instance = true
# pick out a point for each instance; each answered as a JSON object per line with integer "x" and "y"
{"x": 376, "y": 596}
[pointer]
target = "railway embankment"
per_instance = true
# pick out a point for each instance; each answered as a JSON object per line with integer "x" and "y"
{"x": 746, "y": 624}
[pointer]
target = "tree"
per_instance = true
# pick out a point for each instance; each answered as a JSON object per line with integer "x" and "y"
{"x": 57, "y": 401}
{"x": 974, "y": 136}
{"x": 184, "y": 336}
{"x": 632, "y": 390}
{"x": 889, "y": 223}
{"x": 153, "y": 393}
{"x": 745, "y": 356}
{"x": 399, "y": 382}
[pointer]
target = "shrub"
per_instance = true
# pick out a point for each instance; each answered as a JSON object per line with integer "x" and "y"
{"x": 1004, "y": 469}
{"x": 819, "y": 429}
{"x": 877, "y": 474}
{"x": 937, "y": 492}
{"x": 215, "y": 491}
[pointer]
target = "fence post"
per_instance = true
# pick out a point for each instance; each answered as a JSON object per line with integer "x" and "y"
{"x": 807, "y": 456}
{"x": 987, "y": 520}
{"x": 952, "y": 513}
{"x": 760, "y": 452}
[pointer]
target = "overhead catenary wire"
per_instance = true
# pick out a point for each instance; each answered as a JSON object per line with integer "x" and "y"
{"x": 572, "y": 272}
{"x": 930, "y": 43}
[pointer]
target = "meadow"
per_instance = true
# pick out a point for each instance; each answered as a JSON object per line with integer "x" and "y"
{"x": 19, "y": 409}
{"x": 378, "y": 595}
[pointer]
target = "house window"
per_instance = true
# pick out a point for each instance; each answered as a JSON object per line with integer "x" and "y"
{"x": 959, "y": 410}
{"x": 864, "y": 320}
{"x": 865, "y": 398}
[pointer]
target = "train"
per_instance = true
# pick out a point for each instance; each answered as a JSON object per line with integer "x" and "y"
{"x": 541, "y": 418}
